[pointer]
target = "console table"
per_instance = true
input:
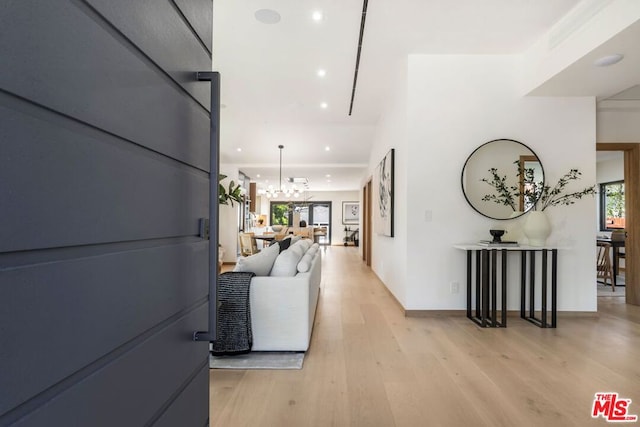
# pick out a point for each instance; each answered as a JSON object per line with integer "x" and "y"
{"x": 483, "y": 271}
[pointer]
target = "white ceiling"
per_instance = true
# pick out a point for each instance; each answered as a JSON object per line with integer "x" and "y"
{"x": 272, "y": 94}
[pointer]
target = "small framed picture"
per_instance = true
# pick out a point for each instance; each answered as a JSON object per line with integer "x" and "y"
{"x": 350, "y": 212}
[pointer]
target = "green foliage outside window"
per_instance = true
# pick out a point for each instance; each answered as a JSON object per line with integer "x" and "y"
{"x": 279, "y": 214}
{"x": 615, "y": 200}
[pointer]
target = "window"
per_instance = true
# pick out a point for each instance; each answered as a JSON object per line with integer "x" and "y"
{"x": 280, "y": 213}
{"x": 612, "y": 216}
{"x": 313, "y": 213}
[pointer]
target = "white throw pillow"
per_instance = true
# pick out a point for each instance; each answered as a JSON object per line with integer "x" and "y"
{"x": 312, "y": 250}
{"x": 286, "y": 263}
{"x": 260, "y": 263}
{"x": 299, "y": 248}
{"x": 305, "y": 263}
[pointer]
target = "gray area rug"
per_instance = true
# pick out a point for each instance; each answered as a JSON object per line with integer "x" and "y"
{"x": 258, "y": 360}
{"x": 605, "y": 291}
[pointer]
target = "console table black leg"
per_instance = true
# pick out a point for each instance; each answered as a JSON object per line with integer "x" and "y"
{"x": 532, "y": 284}
{"x": 504, "y": 288}
{"x": 523, "y": 283}
{"x": 485, "y": 287}
{"x": 469, "y": 267}
{"x": 554, "y": 287}
{"x": 478, "y": 281}
{"x": 543, "y": 306}
{"x": 494, "y": 288}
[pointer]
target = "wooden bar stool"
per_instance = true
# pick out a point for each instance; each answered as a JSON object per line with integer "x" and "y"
{"x": 604, "y": 267}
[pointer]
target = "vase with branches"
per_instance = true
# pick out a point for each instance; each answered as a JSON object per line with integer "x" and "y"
{"x": 543, "y": 196}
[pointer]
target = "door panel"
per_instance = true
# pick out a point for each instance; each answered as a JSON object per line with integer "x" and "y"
{"x": 139, "y": 20}
{"x": 73, "y": 163}
{"x": 87, "y": 70}
{"x": 146, "y": 378}
{"x": 198, "y": 13}
{"x": 104, "y": 160}
{"x": 111, "y": 286}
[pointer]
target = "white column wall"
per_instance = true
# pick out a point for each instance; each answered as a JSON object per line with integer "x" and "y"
{"x": 389, "y": 254}
{"x": 228, "y": 218}
{"x": 455, "y": 103}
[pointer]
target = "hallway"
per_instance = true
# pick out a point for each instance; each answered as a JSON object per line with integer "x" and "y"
{"x": 368, "y": 365}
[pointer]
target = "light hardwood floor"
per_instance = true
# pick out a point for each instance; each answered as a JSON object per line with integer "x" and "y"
{"x": 368, "y": 365}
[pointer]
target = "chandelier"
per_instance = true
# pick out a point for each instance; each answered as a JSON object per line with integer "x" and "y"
{"x": 286, "y": 192}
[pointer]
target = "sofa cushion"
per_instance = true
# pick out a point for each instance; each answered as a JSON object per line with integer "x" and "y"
{"x": 305, "y": 263}
{"x": 286, "y": 264}
{"x": 298, "y": 248}
{"x": 285, "y": 243}
{"x": 260, "y": 263}
{"x": 313, "y": 249}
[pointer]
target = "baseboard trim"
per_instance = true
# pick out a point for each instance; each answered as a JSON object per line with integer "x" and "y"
{"x": 434, "y": 313}
{"x": 510, "y": 313}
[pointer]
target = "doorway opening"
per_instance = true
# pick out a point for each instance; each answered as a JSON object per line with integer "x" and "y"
{"x": 316, "y": 214}
{"x": 631, "y": 178}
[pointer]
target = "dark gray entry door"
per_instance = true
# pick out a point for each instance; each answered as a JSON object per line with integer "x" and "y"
{"x": 104, "y": 160}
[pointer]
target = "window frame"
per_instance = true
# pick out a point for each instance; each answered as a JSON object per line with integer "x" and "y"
{"x": 602, "y": 208}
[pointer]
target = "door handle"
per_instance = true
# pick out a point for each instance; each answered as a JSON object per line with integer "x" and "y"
{"x": 214, "y": 172}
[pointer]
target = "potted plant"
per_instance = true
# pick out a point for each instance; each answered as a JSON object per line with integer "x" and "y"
{"x": 230, "y": 195}
{"x": 537, "y": 227}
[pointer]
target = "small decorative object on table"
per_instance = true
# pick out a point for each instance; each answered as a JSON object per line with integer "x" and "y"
{"x": 497, "y": 239}
{"x": 497, "y": 235}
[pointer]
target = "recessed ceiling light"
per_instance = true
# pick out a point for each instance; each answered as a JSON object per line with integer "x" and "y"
{"x": 258, "y": 176}
{"x": 317, "y": 15}
{"x": 607, "y": 60}
{"x": 238, "y": 149}
{"x": 328, "y": 180}
{"x": 321, "y": 72}
{"x": 328, "y": 175}
{"x": 267, "y": 16}
{"x": 324, "y": 105}
{"x": 327, "y": 148}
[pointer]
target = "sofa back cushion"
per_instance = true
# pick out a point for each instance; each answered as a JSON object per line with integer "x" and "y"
{"x": 260, "y": 263}
{"x": 286, "y": 263}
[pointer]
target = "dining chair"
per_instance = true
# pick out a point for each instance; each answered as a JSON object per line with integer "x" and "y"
{"x": 248, "y": 245}
{"x": 604, "y": 267}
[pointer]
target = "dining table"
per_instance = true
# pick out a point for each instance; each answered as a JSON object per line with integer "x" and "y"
{"x": 267, "y": 239}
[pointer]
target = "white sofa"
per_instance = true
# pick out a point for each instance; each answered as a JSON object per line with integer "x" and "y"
{"x": 283, "y": 303}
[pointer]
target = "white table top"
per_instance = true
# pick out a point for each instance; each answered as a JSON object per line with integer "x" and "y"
{"x": 477, "y": 247}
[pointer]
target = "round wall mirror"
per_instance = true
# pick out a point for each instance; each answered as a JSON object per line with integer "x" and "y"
{"x": 498, "y": 179}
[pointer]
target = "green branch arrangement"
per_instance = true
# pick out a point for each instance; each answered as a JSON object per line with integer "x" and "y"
{"x": 553, "y": 196}
{"x": 230, "y": 195}
{"x": 504, "y": 194}
{"x": 535, "y": 194}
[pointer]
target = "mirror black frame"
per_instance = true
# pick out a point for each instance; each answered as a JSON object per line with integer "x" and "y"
{"x": 521, "y": 159}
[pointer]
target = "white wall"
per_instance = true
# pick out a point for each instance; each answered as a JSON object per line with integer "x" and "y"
{"x": 454, "y": 104}
{"x": 228, "y": 217}
{"x": 389, "y": 254}
{"x": 619, "y": 124}
{"x": 610, "y": 170}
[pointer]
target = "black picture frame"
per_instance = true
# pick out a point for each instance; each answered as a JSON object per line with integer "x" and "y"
{"x": 383, "y": 183}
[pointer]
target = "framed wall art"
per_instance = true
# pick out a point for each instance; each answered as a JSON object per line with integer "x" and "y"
{"x": 350, "y": 213}
{"x": 383, "y": 195}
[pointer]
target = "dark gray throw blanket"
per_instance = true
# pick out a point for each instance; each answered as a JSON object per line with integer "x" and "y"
{"x": 234, "y": 314}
